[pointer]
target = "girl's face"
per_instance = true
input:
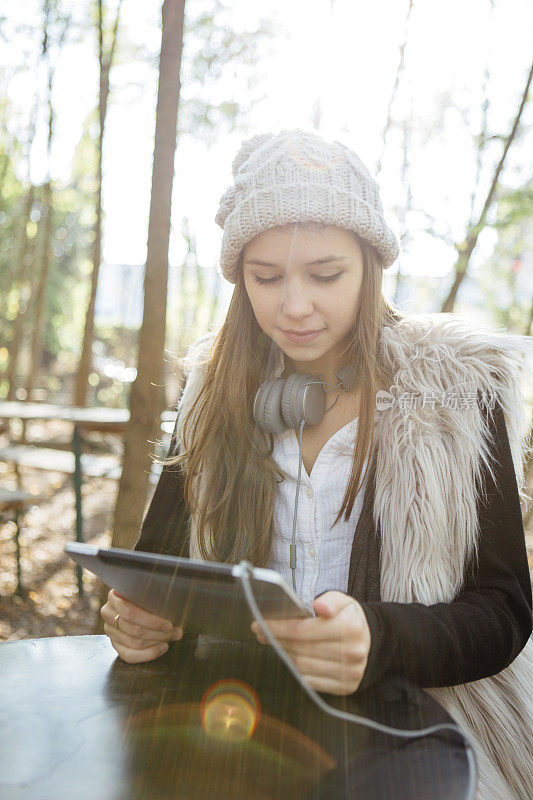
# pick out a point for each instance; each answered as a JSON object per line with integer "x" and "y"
{"x": 300, "y": 279}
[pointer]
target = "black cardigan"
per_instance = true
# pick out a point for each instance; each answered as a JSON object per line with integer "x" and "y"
{"x": 476, "y": 635}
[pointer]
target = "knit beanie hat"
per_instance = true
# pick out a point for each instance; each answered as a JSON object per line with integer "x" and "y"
{"x": 296, "y": 176}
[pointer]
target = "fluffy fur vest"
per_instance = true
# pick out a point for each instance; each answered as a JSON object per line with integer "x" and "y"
{"x": 431, "y": 447}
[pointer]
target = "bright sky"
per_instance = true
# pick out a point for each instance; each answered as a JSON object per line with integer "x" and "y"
{"x": 347, "y": 59}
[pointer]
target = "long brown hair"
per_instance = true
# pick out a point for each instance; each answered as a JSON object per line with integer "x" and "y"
{"x": 227, "y": 452}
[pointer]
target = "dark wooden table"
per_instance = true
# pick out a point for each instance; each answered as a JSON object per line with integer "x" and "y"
{"x": 76, "y": 721}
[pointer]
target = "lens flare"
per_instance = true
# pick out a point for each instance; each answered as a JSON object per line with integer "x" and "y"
{"x": 230, "y": 711}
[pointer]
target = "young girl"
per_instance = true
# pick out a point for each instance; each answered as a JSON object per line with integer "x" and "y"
{"x": 409, "y": 544}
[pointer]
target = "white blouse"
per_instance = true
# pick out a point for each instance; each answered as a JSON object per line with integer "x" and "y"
{"x": 322, "y": 552}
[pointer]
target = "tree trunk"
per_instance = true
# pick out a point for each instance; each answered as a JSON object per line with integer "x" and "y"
{"x": 467, "y": 247}
{"x": 21, "y": 267}
{"x": 145, "y": 399}
{"x": 3, "y": 172}
{"x": 105, "y": 62}
{"x": 47, "y": 210}
{"x": 40, "y": 292}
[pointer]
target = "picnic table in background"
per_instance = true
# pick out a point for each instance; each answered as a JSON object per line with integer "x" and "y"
{"x": 76, "y": 463}
{"x": 13, "y": 503}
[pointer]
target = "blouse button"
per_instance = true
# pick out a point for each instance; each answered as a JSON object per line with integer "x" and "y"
{"x": 312, "y": 551}
{"x": 309, "y": 492}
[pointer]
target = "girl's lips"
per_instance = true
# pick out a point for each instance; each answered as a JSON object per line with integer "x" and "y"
{"x": 306, "y": 337}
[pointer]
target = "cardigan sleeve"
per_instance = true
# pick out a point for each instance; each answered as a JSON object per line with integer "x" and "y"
{"x": 486, "y": 626}
{"x": 165, "y": 528}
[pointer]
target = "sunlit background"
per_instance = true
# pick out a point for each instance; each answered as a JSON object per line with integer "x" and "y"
{"x": 433, "y": 96}
{"x": 410, "y": 90}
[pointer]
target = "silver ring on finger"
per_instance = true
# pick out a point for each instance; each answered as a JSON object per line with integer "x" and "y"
{"x": 115, "y": 622}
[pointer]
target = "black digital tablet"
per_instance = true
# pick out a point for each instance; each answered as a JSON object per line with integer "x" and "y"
{"x": 200, "y": 597}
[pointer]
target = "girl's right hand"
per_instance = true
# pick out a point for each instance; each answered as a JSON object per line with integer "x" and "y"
{"x": 140, "y": 635}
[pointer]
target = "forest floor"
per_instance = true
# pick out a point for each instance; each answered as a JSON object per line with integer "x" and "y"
{"x": 51, "y": 605}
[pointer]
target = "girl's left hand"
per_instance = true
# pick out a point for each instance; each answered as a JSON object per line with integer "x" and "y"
{"x": 330, "y": 650}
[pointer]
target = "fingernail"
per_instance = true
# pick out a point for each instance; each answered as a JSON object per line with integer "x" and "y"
{"x": 167, "y": 626}
{"x": 164, "y": 647}
{"x": 176, "y": 636}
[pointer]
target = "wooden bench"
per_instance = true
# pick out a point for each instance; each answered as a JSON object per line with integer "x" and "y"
{"x": 74, "y": 462}
{"x": 13, "y": 503}
{"x": 90, "y": 465}
{"x": 94, "y": 466}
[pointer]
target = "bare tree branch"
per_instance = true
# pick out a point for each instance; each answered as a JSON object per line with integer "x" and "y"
{"x": 466, "y": 248}
{"x": 394, "y": 92}
{"x": 105, "y": 62}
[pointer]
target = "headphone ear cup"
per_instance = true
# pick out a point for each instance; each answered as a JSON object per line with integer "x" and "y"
{"x": 303, "y": 399}
{"x": 267, "y": 406}
{"x": 289, "y": 407}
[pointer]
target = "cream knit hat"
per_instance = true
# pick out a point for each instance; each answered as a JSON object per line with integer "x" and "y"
{"x": 296, "y": 176}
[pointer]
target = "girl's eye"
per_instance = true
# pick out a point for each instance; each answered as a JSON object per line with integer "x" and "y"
{"x": 318, "y": 278}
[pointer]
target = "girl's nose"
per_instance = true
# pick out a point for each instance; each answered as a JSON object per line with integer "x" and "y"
{"x": 296, "y": 301}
